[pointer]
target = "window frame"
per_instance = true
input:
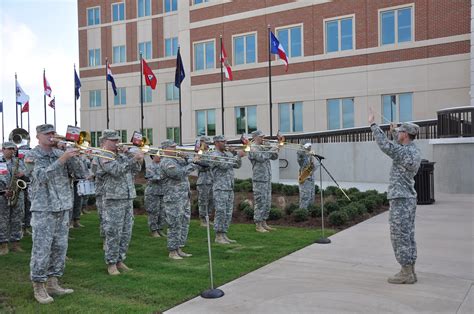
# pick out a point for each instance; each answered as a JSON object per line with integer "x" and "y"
{"x": 145, "y": 88}
{"x": 203, "y": 2}
{"x": 174, "y": 89}
{"x": 213, "y": 40}
{"x": 246, "y": 118}
{"x": 124, "y": 11}
{"x": 171, "y": 39}
{"x": 339, "y": 19}
{"x": 171, "y": 6}
{"x": 96, "y": 64}
{"x": 397, "y": 106}
{"x": 206, "y": 122}
{"x": 95, "y": 92}
{"x": 396, "y": 8}
{"x": 245, "y": 48}
{"x": 341, "y": 113}
{"x": 288, "y": 53}
{"x": 292, "y": 116}
{"x": 143, "y": 55}
{"x": 175, "y": 130}
{"x": 119, "y": 95}
{"x": 87, "y": 15}
{"x": 125, "y": 55}
{"x": 144, "y": 10}
{"x": 121, "y": 133}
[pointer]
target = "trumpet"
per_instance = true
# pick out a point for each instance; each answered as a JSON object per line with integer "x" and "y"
{"x": 83, "y": 144}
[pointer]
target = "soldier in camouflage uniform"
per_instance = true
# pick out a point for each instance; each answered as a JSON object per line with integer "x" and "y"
{"x": 305, "y": 159}
{"x": 117, "y": 200}
{"x": 154, "y": 198}
{"x": 99, "y": 191}
{"x": 176, "y": 198}
{"x": 11, "y": 216}
{"x": 204, "y": 184}
{"x": 78, "y": 199}
{"x": 50, "y": 204}
{"x": 260, "y": 157}
{"x": 402, "y": 195}
{"x": 223, "y": 188}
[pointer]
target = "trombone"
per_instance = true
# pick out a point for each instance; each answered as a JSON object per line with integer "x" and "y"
{"x": 83, "y": 144}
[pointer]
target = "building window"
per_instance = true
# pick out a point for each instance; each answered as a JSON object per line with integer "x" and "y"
{"x": 118, "y": 11}
{"x": 93, "y": 16}
{"x": 244, "y": 49}
{"x": 397, "y": 107}
{"x": 206, "y": 122}
{"x": 204, "y": 56}
{"x": 171, "y": 5}
{"x": 145, "y": 49}
{"x": 171, "y": 47}
{"x": 172, "y": 134}
{"x": 123, "y": 136}
{"x": 172, "y": 92}
{"x": 396, "y": 26}
{"x": 290, "y": 39}
{"x": 121, "y": 97}
{"x": 148, "y": 133}
{"x": 119, "y": 54}
{"x": 95, "y": 138}
{"x": 94, "y": 57}
{"x": 246, "y": 119}
{"x": 147, "y": 94}
{"x": 200, "y": 1}
{"x": 144, "y": 8}
{"x": 339, "y": 34}
{"x": 95, "y": 98}
{"x": 291, "y": 117}
{"x": 340, "y": 113}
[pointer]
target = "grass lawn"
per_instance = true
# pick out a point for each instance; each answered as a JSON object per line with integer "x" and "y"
{"x": 156, "y": 282}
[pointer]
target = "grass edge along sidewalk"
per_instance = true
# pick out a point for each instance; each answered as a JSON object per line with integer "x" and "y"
{"x": 156, "y": 283}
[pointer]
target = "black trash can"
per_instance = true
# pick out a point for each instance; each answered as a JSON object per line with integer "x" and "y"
{"x": 424, "y": 183}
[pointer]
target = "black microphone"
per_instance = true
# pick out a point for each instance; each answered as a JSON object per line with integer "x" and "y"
{"x": 318, "y": 156}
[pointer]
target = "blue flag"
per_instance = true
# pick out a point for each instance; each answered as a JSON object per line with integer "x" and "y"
{"x": 77, "y": 85}
{"x": 179, "y": 74}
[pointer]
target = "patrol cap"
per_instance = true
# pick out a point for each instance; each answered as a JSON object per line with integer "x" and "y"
{"x": 409, "y": 128}
{"x": 257, "y": 133}
{"x": 167, "y": 143}
{"x": 8, "y": 145}
{"x": 45, "y": 128}
{"x": 219, "y": 138}
{"x": 205, "y": 139}
{"x": 110, "y": 135}
{"x": 307, "y": 145}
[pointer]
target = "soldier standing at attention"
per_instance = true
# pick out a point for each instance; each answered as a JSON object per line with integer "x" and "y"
{"x": 154, "y": 198}
{"x": 223, "y": 188}
{"x": 99, "y": 191}
{"x": 402, "y": 195}
{"x": 50, "y": 204}
{"x": 306, "y": 177}
{"x": 117, "y": 200}
{"x": 260, "y": 158}
{"x": 204, "y": 184}
{"x": 176, "y": 198}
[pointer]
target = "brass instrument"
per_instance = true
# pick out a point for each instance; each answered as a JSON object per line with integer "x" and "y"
{"x": 83, "y": 144}
{"x": 20, "y": 137}
{"x": 306, "y": 172}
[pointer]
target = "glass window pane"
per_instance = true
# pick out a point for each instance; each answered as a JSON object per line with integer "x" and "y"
{"x": 406, "y": 107}
{"x": 167, "y": 5}
{"x": 175, "y": 46}
{"x": 148, "y": 49}
{"x": 169, "y": 91}
{"x": 333, "y": 114}
{"x": 114, "y": 12}
{"x": 91, "y": 99}
{"x": 97, "y": 57}
{"x": 389, "y": 108}
{"x": 332, "y": 36}
{"x": 388, "y": 28}
{"x": 284, "y": 117}
{"x": 90, "y": 17}
{"x": 122, "y": 12}
{"x": 199, "y": 56}
{"x": 98, "y": 98}
{"x": 123, "y": 94}
{"x": 175, "y": 5}
{"x": 348, "y": 113}
{"x": 211, "y": 122}
{"x": 298, "y": 117}
{"x": 200, "y": 122}
{"x": 97, "y": 16}
{"x": 147, "y": 7}
{"x": 250, "y": 45}
{"x": 239, "y": 56}
{"x": 295, "y": 42}
{"x": 240, "y": 120}
{"x": 404, "y": 25}
{"x": 210, "y": 55}
{"x": 167, "y": 47}
{"x": 346, "y": 34}
{"x": 122, "y": 54}
{"x": 283, "y": 39}
{"x": 252, "y": 118}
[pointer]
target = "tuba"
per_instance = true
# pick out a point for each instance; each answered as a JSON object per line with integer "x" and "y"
{"x": 20, "y": 137}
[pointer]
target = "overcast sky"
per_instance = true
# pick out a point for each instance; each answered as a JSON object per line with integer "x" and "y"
{"x": 37, "y": 35}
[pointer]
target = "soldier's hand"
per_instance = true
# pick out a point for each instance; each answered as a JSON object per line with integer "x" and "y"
{"x": 19, "y": 174}
{"x": 68, "y": 154}
{"x": 241, "y": 153}
{"x": 8, "y": 193}
{"x": 393, "y": 125}
{"x": 371, "y": 116}
{"x": 138, "y": 156}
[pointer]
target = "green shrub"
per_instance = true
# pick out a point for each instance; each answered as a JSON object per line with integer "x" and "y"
{"x": 330, "y": 207}
{"x": 301, "y": 214}
{"x": 316, "y": 189}
{"x": 91, "y": 200}
{"x": 138, "y": 202}
{"x": 338, "y": 193}
{"x": 342, "y": 201}
{"x": 356, "y": 196}
{"x": 242, "y": 205}
{"x": 385, "y": 199}
{"x": 351, "y": 211}
{"x": 289, "y": 190}
{"x": 140, "y": 189}
{"x": 246, "y": 186}
{"x": 248, "y": 211}
{"x": 330, "y": 190}
{"x": 379, "y": 199}
{"x": 237, "y": 187}
{"x": 277, "y": 188}
{"x": 275, "y": 213}
{"x": 338, "y": 218}
{"x": 361, "y": 208}
{"x": 290, "y": 208}
{"x": 314, "y": 210}
{"x": 352, "y": 190}
{"x": 370, "y": 204}
{"x": 371, "y": 192}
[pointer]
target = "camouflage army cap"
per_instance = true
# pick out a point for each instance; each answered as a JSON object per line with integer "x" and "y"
{"x": 410, "y": 128}
{"x": 45, "y": 128}
{"x": 8, "y": 145}
{"x": 257, "y": 133}
{"x": 205, "y": 139}
{"x": 167, "y": 143}
{"x": 219, "y": 138}
{"x": 110, "y": 135}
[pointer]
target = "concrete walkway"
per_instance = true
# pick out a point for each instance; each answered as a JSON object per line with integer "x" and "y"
{"x": 349, "y": 275}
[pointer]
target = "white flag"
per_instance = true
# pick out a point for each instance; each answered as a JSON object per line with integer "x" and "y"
{"x": 21, "y": 97}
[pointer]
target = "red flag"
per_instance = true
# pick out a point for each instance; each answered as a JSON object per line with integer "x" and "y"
{"x": 225, "y": 63}
{"x": 150, "y": 78}
{"x": 26, "y": 107}
{"x": 47, "y": 88}
{"x": 52, "y": 103}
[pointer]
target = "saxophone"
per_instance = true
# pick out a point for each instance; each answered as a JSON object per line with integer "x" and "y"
{"x": 306, "y": 172}
{"x": 15, "y": 185}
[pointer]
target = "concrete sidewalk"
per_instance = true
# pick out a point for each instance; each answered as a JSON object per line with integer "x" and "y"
{"x": 350, "y": 274}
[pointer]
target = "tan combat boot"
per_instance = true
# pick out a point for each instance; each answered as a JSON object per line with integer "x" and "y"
{"x": 40, "y": 293}
{"x": 161, "y": 233}
{"x": 227, "y": 238}
{"x": 122, "y": 267}
{"x": 174, "y": 255}
{"x": 267, "y": 227}
{"x": 414, "y": 273}
{"x": 77, "y": 224}
{"x": 4, "y": 248}
{"x": 259, "y": 227}
{"x": 53, "y": 287}
{"x": 183, "y": 254}
{"x": 112, "y": 270}
{"x": 220, "y": 239}
{"x": 405, "y": 276}
{"x": 155, "y": 234}
{"x": 16, "y": 247}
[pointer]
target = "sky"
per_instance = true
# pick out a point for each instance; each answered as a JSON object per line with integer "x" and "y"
{"x": 37, "y": 35}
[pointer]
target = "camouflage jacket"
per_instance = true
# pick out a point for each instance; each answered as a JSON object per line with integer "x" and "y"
{"x": 406, "y": 161}
{"x": 51, "y": 188}
{"x": 155, "y": 179}
{"x": 98, "y": 174}
{"x": 11, "y": 164}
{"x": 261, "y": 167}
{"x": 204, "y": 171}
{"x": 223, "y": 173}
{"x": 304, "y": 160}
{"x": 175, "y": 174}
{"x": 118, "y": 176}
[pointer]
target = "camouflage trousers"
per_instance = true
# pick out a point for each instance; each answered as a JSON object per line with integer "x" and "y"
{"x": 306, "y": 194}
{"x": 100, "y": 212}
{"x": 50, "y": 235}
{"x": 156, "y": 213}
{"x": 402, "y": 229}
{"x": 27, "y": 215}
{"x": 205, "y": 199}
{"x": 262, "y": 194}
{"x": 118, "y": 229}
{"x": 224, "y": 204}
{"x": 75, "y": 212}
{"x": 178, "y": 215}
{"x": 11, "y": 218}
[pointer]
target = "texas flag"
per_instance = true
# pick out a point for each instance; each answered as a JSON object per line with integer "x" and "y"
{"x": 277, "y": 49}
{"x": 226, "y": 65}
{"x": 47, "y": 87}
{"x": 110, "y": 78}
{"x": 150, "y": 78}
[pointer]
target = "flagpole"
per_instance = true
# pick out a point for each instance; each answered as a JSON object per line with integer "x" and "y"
{"x": 55, "y": 112}
{"x": 3, "y": 126}
{"x": 16, "y": 103}
{"x": 180, "y": 112}
{"x": 107, "y": 91}
{"x": 21, "y": 116}
{"x": 28, "y": 120}
{"x": 222, "y": 88}
{"x": 270, "y": 80}
{"x": 141, "y": 93}
{"x": 44, "y": 99}
{"x": 75, "y": 100}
